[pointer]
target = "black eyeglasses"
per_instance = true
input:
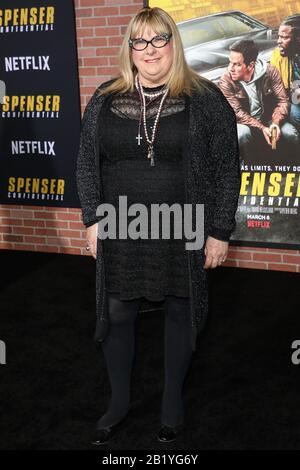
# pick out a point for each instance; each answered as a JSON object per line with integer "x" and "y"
{"x": 140, "y": 44}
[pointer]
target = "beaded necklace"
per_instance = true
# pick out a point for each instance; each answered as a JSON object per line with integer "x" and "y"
{"x": 142, "y": 95}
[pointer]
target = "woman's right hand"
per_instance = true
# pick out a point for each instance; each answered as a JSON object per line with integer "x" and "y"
{"x": 91, "y": 239}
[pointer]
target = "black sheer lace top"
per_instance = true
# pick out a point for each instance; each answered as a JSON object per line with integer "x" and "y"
{"x": 150, "y": 268}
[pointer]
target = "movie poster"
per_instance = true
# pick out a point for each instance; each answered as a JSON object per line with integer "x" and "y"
{"x": 39, "y": 103}
{"x": 251, "y": 51}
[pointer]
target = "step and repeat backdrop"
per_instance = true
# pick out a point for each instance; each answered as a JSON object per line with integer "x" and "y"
{"x": 268, "y": 212}
{"x": 40, "y": 103}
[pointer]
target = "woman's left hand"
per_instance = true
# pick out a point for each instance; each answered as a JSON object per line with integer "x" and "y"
{"x": 215, "y": 252}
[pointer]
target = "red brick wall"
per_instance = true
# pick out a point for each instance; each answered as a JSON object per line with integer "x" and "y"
{"x": 100, "y": 26}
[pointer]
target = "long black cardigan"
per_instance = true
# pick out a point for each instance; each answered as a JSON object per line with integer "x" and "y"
{"x": 212, "y": 178}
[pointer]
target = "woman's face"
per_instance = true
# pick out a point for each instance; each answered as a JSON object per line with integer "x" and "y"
{"x": 153, "y": 64}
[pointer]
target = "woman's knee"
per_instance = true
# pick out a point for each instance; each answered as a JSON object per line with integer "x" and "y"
{"x": 177, "y": 309}
{"x": 122, "y": 311}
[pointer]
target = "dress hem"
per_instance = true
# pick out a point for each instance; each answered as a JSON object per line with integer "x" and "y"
{"x": 146, "y": 297}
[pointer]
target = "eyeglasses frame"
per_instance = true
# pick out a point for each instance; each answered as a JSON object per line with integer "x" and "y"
{"x": 166, "y": 36}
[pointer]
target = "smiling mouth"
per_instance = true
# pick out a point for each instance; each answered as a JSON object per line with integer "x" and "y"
{"x": 151, "y": 60}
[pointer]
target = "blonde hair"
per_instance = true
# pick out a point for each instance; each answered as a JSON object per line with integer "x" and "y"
{"x": 182, "y": 79}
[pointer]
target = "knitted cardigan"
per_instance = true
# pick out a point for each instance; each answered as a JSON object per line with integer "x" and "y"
{"x": 211, "y": 175}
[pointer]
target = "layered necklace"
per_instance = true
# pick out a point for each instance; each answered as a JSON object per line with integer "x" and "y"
{"x": 143, "y": 96}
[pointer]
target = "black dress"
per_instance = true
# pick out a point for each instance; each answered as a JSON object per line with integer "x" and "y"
{"x": 149, "y": 268}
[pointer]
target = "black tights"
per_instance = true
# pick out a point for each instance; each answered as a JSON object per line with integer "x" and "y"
{"x": 118, "y": 349}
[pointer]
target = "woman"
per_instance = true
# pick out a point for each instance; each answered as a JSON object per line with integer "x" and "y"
{"x": 158, "y": 134}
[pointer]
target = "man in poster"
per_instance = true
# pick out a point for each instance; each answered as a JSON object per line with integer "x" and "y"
{"x": 286, "y": 58}
{"x": 256, "y": 92}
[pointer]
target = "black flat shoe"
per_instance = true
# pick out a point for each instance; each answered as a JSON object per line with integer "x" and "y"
{"x": 168, "y": 433}
{"x": 102, "y": 436}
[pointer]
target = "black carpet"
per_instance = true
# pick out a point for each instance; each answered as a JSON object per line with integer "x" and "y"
{"x": 242, "y": 390}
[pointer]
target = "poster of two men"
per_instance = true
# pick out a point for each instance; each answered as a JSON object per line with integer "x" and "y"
{"x": 251, "y": 51}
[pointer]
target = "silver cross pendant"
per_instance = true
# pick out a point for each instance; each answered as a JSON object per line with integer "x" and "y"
{"x": 139, "y": 138}
{"x": 151, "y": 155}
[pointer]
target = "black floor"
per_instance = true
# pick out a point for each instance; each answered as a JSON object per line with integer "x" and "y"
{"x": 242, "y": 390}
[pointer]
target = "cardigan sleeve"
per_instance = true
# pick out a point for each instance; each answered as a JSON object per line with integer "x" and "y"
{"x": 87, "y": 177}
{"x": 224, "y": 151}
